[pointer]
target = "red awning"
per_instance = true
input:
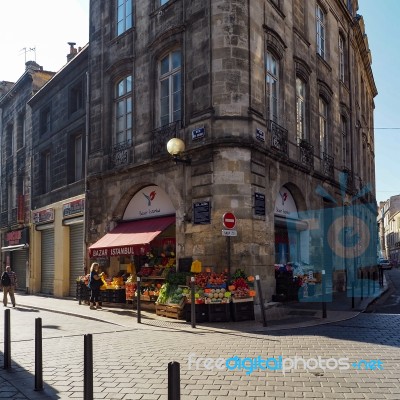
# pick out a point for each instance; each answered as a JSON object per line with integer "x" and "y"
{"x": 125, "y": 238}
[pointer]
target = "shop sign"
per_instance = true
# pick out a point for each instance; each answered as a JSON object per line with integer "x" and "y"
{"x": 149, "y": 202}
{"x": 259, "y": 204}
{"x": 73, "y": 208}
{"x": 15, "y": 238}
{"x": 113, "y": 251}
{"x": 43, "y": 216}
{"x": 285, "y": 204}
{"x": 201, "y": 213}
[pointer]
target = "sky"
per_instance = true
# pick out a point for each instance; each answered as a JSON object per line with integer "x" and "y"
{"x": 69, "y": 22}
{"x": 44, "y": 25}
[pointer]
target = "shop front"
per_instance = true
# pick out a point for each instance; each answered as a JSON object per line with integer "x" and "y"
{"x": 16, "y": 249}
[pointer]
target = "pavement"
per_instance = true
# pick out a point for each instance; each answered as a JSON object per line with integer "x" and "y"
{"x": 278, "y": 316}
{"x": 130, "y": 358}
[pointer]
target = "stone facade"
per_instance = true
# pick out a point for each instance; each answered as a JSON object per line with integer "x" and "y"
{"x": 245, "y": 150}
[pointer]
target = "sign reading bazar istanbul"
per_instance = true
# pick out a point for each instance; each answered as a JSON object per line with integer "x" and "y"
{"x": 112, "y": 251}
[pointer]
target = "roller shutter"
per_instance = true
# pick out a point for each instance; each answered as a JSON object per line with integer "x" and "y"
{"x": 47, "y": 284}
{"x": 76, "y": 256}
{"x": 20, "y": 258}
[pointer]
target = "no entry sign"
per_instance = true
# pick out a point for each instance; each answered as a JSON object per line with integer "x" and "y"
{"x": 229, "y": 220}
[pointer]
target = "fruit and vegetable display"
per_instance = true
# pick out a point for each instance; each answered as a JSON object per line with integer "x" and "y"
{"x": 171, "y": 294}
{"x": 242, "y": 286}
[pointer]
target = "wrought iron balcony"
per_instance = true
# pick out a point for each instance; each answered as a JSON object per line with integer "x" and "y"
{"x": 279, "y": 137}
{"x": 162, "y": 135}
{"x": 120, "y": 154}
{"x": 349, "y": 178}
{"x": 327, "y": 165}
{"x": 306, "y": 153}
{"x": 4, "y": 219}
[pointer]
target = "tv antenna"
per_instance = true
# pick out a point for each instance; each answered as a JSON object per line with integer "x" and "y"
{"x": 28, "y": 50}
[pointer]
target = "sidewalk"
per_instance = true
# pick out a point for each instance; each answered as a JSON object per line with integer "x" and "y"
{"x": 278, "y": 315}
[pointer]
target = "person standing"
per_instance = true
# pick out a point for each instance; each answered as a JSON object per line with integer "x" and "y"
{"x": 9, "y": 283}
{"x": 95, "y": 284}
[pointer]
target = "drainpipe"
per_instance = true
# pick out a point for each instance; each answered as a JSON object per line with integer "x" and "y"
{"x": 85, "y": 214}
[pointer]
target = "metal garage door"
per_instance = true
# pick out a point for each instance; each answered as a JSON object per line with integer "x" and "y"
{"x": 76, "y": 256}
{"x": 20, "y": 258}
{"x": 47, "y": 253}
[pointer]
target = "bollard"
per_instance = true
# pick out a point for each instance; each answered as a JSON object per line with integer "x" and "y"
{"x": 373, "y": 282}
{"x": 138, "y": 291}
{"x": 88, "y": 367}
{"x": 369, "y": 282}
{"x": 362, "y": 284}
{"x": 323, "y": 294}
{"x": 261, "y": 300}
{"x": 193, "y": 304}
{"x": 38, "y": 355}
{"x": 352, "y": 294}
{"x": 174, "y": 384}
{"x": 7, "y": 340}
{"x": 380, "y": 276}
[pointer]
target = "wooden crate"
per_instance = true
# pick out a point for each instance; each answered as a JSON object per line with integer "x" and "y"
{"x": 169, "y": 311}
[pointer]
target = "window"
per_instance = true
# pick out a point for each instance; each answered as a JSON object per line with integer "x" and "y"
{"x": 78, "y": 156}
{"x": 123, "y": 111}
{"x": 124, "y": 16}
{"x": 170, "y": 88}
{"x": 301, "y": 132}
{"x": 76, "y": 97}
{"x": 341, "y": 58}
{"x": 320, "y": 18}
{"x": 272, "y": 66}
{"x": 46, "y": 168}
{"x": 343, "y": 123}
{"x": 323, "y": 126}
{"x": 162, "y": 2}
{"x": 21, "y": 130}
{"x": 45, "y": 120}
{"x": 9, "y": 141}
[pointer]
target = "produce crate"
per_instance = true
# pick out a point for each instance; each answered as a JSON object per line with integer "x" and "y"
{"x": 219, "y": 312}
{"x": 242, "y": 310}
{"x": 113, "y": 295}
{"x": 82, "y": 292}
{"x": 201, "y": 311}
{"x": 164, "y": 310}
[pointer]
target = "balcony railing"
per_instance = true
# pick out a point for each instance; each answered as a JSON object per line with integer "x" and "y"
{"x": 160, "y": 137}
{"x": 120, "y": 154}
{"x": 348, "y": 178}
{"x": 279, "y": 138}
{"x": 306, "y": 154}
{"x": 327, "y": 165}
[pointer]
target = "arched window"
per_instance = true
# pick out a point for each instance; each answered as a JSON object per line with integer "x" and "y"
{"x": 301, "y": 125}
{"x": 321, "y": 31}
{"x": 123, "y": 111}
{"x": 170, "y": 81}
{"x": 323, "y": 126}
{"x": 272, "y": 85}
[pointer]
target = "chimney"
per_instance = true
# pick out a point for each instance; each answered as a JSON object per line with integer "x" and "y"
{"x": 72, "y": 51}
{"x": 31, "y": 66}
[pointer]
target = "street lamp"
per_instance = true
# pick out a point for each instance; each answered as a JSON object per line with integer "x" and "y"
{"x": 176, "y": 147}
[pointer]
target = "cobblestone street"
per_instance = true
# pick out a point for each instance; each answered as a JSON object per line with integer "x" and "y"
{"x": 131, "y": 362}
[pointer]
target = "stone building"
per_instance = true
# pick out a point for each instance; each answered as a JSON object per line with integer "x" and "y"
{"x": 274, "y": 102}
{"x": 15, "y": 169}
{"x": 58, "y": 178}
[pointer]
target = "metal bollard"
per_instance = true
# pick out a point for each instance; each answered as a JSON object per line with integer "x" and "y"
{"x": 38, "y": 355}
{"x": 7, "y": 340}
{"x": 362, "y": 284}
{"x": 369, "y": 282}
{"x": 193, "y": 304}
{"x": 139, "y": 310}
{"x": 174, "y": 384}
{"x": 261, "y": 300}
{"x": 352, "y": 294}
{"x": 373, "y": 282}
{"x": 323, "y": 294}
{"x": 88, "y": 368}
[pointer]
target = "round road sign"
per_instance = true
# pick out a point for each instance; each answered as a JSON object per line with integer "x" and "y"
{"x": 229, "y": 220}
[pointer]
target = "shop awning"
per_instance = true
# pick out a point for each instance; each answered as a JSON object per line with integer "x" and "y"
{"x": 15, "y": 247}
{"x": 127, "y": 236}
